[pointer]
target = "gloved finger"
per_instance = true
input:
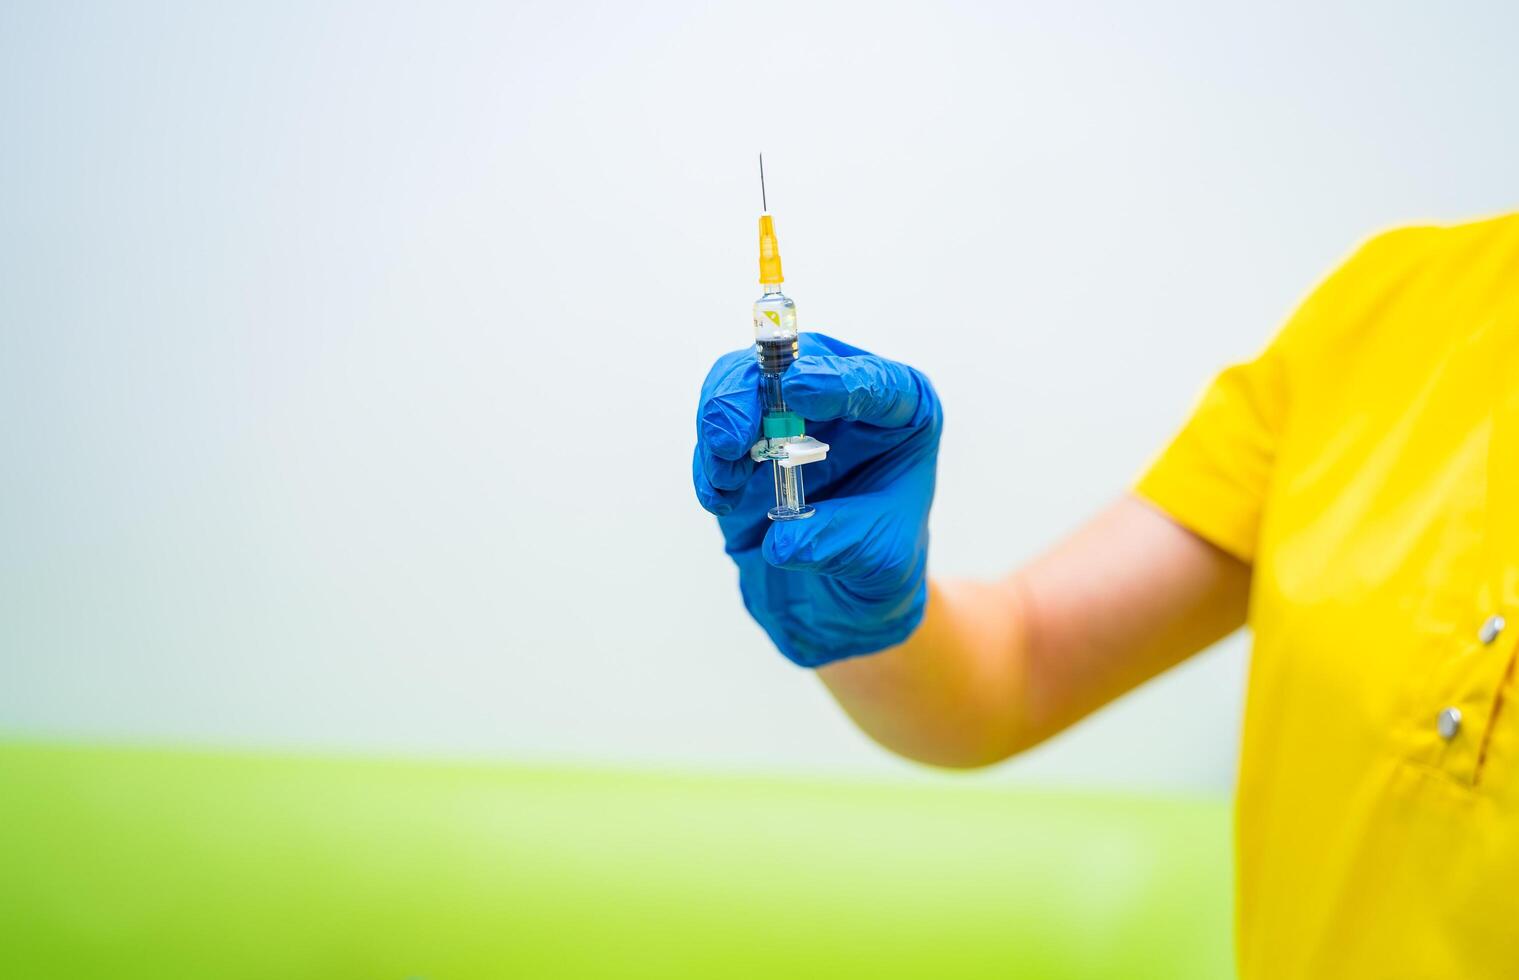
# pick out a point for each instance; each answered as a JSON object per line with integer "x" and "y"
{"x": 714, "y": 500}
{"x": 726, "y": 474}
{"x": 728, "y": 418}
{"x": 862, "y": 389}
{"x": 861, "y": 537}
{"x": 812, "y": 342}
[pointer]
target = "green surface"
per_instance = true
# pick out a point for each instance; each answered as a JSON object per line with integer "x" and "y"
{"x": 131, "y": 863}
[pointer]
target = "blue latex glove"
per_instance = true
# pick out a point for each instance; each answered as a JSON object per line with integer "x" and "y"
{"x": 851, "y": 579}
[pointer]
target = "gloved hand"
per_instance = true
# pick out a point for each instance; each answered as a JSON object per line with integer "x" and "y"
{"x": 851, "y": 579}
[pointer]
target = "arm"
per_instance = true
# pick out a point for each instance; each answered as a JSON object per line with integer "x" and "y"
{"x": 951, "y": 673}
{"x": 995, "y": 668}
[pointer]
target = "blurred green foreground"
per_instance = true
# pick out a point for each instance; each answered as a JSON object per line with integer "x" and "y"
{"x": 118, "y": 863}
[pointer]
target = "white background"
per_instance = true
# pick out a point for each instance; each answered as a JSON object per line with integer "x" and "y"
{"x": 348, "y": 356}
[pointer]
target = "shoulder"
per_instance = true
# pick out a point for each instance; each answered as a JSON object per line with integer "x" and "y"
{"x": 1405, "y": 276}
{"x": 1443, "y": 250}
{"x": 1428, "y": 248}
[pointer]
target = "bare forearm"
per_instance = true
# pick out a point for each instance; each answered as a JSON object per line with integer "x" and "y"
{"x": 997, "y": 667}
{"x": 943, "y": 697}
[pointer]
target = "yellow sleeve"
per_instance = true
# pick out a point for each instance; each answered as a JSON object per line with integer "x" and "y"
{"x": 1213, "y": 476}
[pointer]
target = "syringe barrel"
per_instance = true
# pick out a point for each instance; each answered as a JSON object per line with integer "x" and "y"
{"x": 774, "y": 356}
{"x": 775, "y": 348}
{"x": 775, "y": 343}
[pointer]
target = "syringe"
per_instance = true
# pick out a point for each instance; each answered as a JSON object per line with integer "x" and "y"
{"x": 785, "y": 442}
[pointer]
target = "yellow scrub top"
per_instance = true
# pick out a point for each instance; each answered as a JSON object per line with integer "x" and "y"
{"x": 1367, "y": 465}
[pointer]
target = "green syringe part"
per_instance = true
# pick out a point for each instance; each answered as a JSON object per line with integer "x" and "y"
{"x": 783, "y": 425}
